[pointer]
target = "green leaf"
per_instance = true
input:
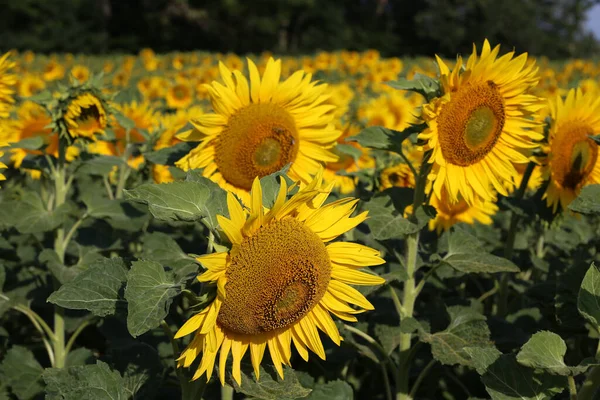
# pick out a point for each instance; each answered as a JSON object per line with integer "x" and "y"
{"x": 388, "y": 336}
{"x": 466, "y": 254}
{"x": 22, "y": 372}
{"x": 588, "y": 201}
{"x": 588, "y": 300}
{"x": 79, "y": 356}
{"x": 149, "y": 294}
{"x": 160, "y": 247}
{"x": 596, "y": 139}
{"x": 29, "y": 214}
{"x": 467, "y": 328}
{"x": 379, "y": 137}
{"x": 97, "y": 289}
{"x": 195, "y": 199}
{"x": 385, "y": 222}
{"x": 99, "y": 165}
{"x": 270, "y": 185}
{"x": 423, "y": 84}
{"x": 88, "y": 382}
{"x": 169, "y": 155}
{"x": 335, "y": 390}
{"x": 31, "y": 143}
{"x": 546, "y": 350}
{"x": 56, "y": 267}
{"x": 270, "y": 386}
{"x": 482, "y": 357}
{"x": 506, "y": 379}
{"x": 140, "y": 366}
{"x": 349, "y": 150}
{"x": 124, "y": 121}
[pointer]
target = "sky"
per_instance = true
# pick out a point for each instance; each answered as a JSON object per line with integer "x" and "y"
{"x": 593, "y": 22}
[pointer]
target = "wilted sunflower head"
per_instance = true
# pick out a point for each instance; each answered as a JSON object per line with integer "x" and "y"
{"x": 85, "y": 116}
{"x": 280, "y": 281}
{"x": 7, "y": 81}
{"x": 572, "y": 156}
{"x": 482, "y": 124}
{"x": 260, "y": 126}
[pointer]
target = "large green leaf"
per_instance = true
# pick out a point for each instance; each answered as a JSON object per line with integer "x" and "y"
{"x": 149, "y": 294}
{"x": 160, "y": 247}
{"x": 334, "y": 390}
{"x": 466, "y": 254}
{"x": 270, "y": 386}
{"x": 169, "y": 155}
{"x": 506, "y": 379}
{"x": 467, "y": 328}
{"x": 482, "y": 357}
{"x": 422, "y": 84}
{"x": 385, "y": 222}
{"x": 29, "y": 214}
{"x": 588, "y": 201}
{"x": 588, "y": 301}
{"x": 22, "y": 372}
{"x": 195, "y": 199}
{"x": 88, "y": 382}
{"x": 546, "y": 350}
{"x": 379, "y": 137}
{"x": 97, "y": 289}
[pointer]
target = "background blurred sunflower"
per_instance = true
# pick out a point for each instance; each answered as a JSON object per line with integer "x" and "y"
{"x": 572, "y": 160}
{"x": 7, "y": 81}
{"x": 261, "y": 126}
{"x": 85, "y": 116}
{"x": 449, "y": 213}
{"x": 280, "y": 281}
{"x": 480, "y": 126}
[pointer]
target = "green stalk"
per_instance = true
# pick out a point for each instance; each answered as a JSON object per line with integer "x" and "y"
{"x": 60, "y": 195}
{"x": 510, "y": 244}
{"x": 124, "y": 170}
{"x": 410, "y": 289}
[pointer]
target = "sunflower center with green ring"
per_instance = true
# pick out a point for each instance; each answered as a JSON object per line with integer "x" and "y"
{"x": 470, "y": 124}
{"x": 274, "y": 279}
{"x": 258, "y": 140}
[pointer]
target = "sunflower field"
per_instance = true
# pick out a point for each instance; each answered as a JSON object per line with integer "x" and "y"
{"x": 334, "y": 226}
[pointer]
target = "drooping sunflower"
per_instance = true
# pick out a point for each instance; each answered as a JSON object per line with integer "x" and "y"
{"x": 399, "y": 175}
{"x": 482, "y": 123}
{"x": 86, "y": 116}
{"x": 7, "y": 81}
{"x": 261, "y": 126}
{"x": 573, "y": 159}
{"x": 449, "y": 213}
{"x": 280, "y": 281}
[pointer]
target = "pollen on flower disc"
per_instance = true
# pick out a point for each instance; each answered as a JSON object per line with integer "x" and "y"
{"x": 259, "y": 139}
{"x": 471, "y": 123}
{"x": 275, "y": 278}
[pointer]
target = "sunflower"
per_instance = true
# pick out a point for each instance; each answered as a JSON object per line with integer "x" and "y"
{"x": 80, "y": 72}
{"x": 53, "y": 71}
{"x": 260, "y": 127}
{"x": 399, "y": 175}
{"x": 572, "y": 160}
{"x": 143, "y": 116}
{"x": 7, "y": 81}
{"x": 179, "y": 96}
{"x": 2, "y": 165}
{"x": 280, "y": 281}
{"x": 32, "y": 121}
{"x": 449, "y": 213}
{"x": 393, "y": 110}
{"x": 481, "y": 125}
{"x": 30, "y": 85}
{"x": 85, "y": 116}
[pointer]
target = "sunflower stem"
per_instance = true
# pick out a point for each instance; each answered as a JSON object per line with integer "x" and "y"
{"x": 124, "y": 169}
{"x": 510, "y": 243}
{"x": 61, "y": 185}
{"x": 226, "y": 392}
{"x": 420, "y": 378}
